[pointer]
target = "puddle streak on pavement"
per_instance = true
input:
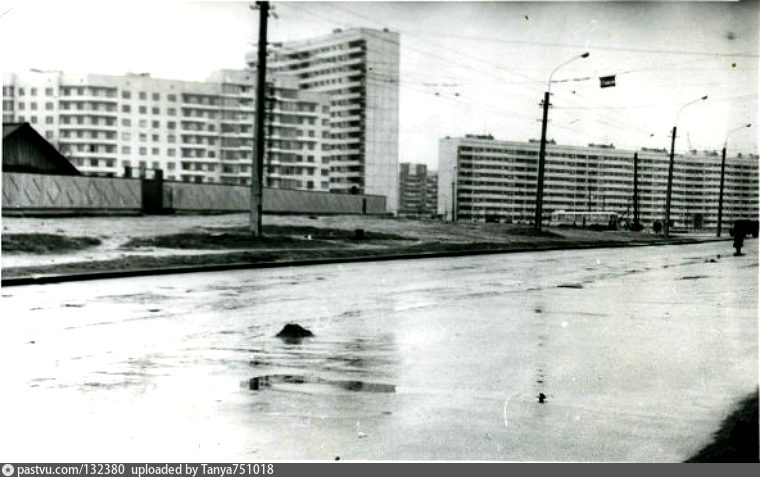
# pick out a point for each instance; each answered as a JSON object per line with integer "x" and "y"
{"x": 410, "y": 360}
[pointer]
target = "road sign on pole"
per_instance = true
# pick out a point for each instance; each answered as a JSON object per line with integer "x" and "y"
{"x": 607, "y": 81}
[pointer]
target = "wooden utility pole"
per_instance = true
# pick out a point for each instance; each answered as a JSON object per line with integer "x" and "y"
{"x": 666, "y": 225}
{"x": 257, "y": 172}
{"x": 541, "y": 160}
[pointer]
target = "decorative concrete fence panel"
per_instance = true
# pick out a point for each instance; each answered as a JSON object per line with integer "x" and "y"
{"x": 42, "y": 192}
{"x": 182, "y": 196}
{"x": 188, "y": 197}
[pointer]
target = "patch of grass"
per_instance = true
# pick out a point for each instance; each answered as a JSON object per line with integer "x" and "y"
{"x": 318, "y": 233}
{"x": 221, "y": 241}
{"x": 737, "y": 438}
{"x": 46, "y": 243}
{"x": 279, "y": 255}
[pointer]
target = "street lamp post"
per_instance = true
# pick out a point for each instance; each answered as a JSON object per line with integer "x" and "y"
{"x": 542, "y": 148}
{"x": 722, "y": 175}
{"x": 666, "y": 225}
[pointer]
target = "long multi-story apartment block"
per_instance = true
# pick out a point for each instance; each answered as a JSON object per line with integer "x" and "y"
{"x": 481, "y": 178}
{"x": 359, "y": 69}
{"x": 193, "y": 131}
{"x": 417, "y": 190}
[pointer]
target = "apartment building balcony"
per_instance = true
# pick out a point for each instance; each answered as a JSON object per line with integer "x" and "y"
{"x": 96, "y": 113}
{"x": 197, "y": 119}
{"x": 87, "y": 140}
{"x": 73, "y": 126}
{"x": 92, "y": 155}
{"x": 237, "y": 134}
{"x": 69, "y": 98}
{"x": 348, "y": 96}
{"x": 345, "y": 175}
{"x": 198, "y": 132}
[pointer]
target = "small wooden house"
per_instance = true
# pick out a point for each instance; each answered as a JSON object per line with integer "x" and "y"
{"x": 25, "y": 150}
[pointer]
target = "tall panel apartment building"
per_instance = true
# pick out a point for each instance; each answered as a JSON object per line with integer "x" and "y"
{"x": 193, "y": 131}
{"x": 417, "y": 191}
{"x": 485, "y": 179}
{"x": 359, "y": 69}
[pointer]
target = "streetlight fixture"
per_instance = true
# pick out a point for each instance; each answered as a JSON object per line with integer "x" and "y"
{"x": 542, "y": 149}
{"x": 666, "y": 226}
{"x": 722, "y": 174}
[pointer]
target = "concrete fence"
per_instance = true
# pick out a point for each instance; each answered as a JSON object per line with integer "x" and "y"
{"x": 29, "y": 194}
{"x": 26, "y": 193}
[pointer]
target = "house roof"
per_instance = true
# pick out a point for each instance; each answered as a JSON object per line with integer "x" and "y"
{"x": 25, "y": 132}
{"x": 10, "y": 128}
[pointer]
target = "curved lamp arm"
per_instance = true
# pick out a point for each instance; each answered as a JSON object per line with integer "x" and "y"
{"x": 703, "y": 98}
{"x": 549, "y": 84}
{"x": 725, "y": 144}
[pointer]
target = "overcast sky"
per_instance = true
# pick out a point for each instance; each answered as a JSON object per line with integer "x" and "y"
{"x": 466, "y": 67}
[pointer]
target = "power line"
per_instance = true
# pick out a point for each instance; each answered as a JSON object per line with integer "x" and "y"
{"x": 598, "y": 47}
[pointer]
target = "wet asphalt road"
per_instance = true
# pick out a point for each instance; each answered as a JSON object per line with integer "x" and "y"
{"x": 640, "y": 353}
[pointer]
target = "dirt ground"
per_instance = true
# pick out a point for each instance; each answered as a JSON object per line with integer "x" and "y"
{"x": 182, "y": 240}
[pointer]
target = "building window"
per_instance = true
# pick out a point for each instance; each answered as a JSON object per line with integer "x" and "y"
{"x": 125, "y": 108}
{"x": 143, "y": 123}
{"x": 33, "y": 119}
{"x": 49, "y": 134}
{"x": 94, "y": 162}
{"x": 171, "y": 111}
{"x": 143, "y": 137}
{"x": 126, "y": 136}
{"x": 109, "y": 162}
{"x": 171, "y": 166}
{"x": 126, "y": 122}
{"x": 172, "y": 97}
{"x": 156, "y": 124}
{"x": 21, "y": 106}
{"x": 49, "y": 92}
{"x": 48, "y": 119}
{"x": 171, "y": 138}
{"x": 126, "y": 150}
{"x": 170, "y": 152}
{"x": 143, "y": 95}
{"x": 33, "y": 91}
{"x": 154, "y": 151}
{"x": 171, "y": 125}
{"x": 49, "y": 106}
{"x": 143, "y": 110}
{"x": 156, "y": 97}
{"x": 143, "y": 151}
{"x": 21, "y": 92}
{"x": 126, "y": 94}
{"x": 156, "y": 110}
{"x": 155, "y": 138}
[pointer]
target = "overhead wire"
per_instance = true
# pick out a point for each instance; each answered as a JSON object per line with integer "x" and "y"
{"x": 624, "y": 122}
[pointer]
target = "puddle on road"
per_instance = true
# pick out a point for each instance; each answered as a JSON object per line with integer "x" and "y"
{"x": 693, "y": 277}
{"x": 259, "y": 383}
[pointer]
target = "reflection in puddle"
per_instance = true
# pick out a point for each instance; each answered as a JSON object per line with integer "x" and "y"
{"x": 570, "y": 285}
{"x": 693, "y": 277}
{"x": 259, "y": 383}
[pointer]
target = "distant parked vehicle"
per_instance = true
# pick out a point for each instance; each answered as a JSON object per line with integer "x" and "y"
{"x": 592, "y": 220}
{"x": 744, "y": 227}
